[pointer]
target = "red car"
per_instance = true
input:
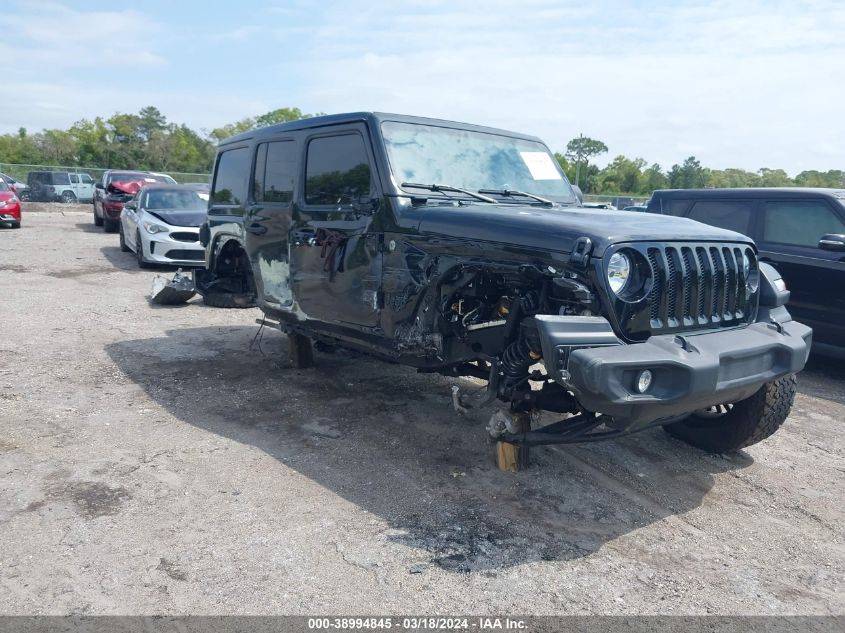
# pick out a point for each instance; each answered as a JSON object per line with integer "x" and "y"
{"x": 116, "y": 188}
{"x": 10, "y": 207}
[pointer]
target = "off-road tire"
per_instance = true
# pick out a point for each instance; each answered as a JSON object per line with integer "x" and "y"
{"x": 124, "y": 247}
{"x": 23, "y": 196}
{"x": 110, "y": 226}
{"x": 68, "y": 197}
{"x": 229, "y": 300}
{"x": 747, "y": 422}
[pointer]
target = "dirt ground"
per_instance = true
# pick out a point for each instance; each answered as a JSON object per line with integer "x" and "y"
{"x": 165, "y": 460}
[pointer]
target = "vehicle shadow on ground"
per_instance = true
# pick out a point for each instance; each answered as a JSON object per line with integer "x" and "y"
{"x": 129, "y": 263}
{"x": 386, "y": 439}
{"x": 89, "y": 227}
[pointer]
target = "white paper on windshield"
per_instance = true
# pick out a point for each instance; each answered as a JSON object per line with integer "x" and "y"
{"x": 203, "y": 196}
{"x": 540, "y": 165}
{"x": 149, "y": 179}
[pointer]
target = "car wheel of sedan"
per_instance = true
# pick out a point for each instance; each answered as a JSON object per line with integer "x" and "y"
{"x": 16, "y": 225}
{"x": 139, "y": 252}
{"x": 123, "y": 245}
{"x": 68, "y": 197}
{"x": 730, "y": 427}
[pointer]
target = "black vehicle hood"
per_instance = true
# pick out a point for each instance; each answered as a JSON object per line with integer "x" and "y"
{"x": 557, "y": 229}
{"x": 178, "y": 217}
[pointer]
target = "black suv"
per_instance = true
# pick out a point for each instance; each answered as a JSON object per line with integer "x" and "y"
{"x": 462, "y": 250}
{"x": 800, "y": 232}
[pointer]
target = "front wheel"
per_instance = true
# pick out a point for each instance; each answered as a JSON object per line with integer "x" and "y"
{"x": 139, "y": 252}
{"x": 730, "y": 427}
{"x": 110, "y": 226}
{"x": 124, "y": 247}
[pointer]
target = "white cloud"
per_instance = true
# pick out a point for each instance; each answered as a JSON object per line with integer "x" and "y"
{"x": 738, "y": 84}
{"x": 751, "y": 84}
{"x": 51, "y": 37}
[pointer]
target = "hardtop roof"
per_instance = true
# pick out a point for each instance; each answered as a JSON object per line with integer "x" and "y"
{"x": 749, "y": 192}
{"x": 374, "y": 117}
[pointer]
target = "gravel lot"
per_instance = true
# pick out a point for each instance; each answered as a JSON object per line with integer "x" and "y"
{"x": 152, "y": 461}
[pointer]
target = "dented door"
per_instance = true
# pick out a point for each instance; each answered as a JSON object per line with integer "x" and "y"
{"x": 335, "y": 242}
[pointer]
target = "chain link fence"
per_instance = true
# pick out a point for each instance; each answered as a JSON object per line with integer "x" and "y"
{"x": 20, "y": 172}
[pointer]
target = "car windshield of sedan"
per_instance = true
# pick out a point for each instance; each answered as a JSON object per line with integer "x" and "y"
{"x": 473, "y": 160}
{"x": 175, "y": 199}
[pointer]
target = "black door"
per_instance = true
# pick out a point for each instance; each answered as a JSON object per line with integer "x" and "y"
{"x": 815, "y": 278}
{"x": 267, "y": 221}
{"x": 335, "y": 247}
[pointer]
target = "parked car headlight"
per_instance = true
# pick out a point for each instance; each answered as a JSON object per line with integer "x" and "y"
{"x": 618, "y": 272}
{"x": 152, "y": 228}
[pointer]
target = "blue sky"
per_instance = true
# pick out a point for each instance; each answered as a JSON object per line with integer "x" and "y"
{"x": 738, "y": 84}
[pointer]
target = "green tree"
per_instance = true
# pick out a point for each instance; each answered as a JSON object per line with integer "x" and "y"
{"x": 690, "y": 175}
{"x": 622, "y": 175}
{"x": 581, "y": 150}
{"x": 280, "y": 115}
{"x": 653, "y": 178}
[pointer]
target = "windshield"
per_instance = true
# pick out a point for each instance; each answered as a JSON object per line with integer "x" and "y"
{"x": 181, "y": 199}
{"x": 472, "y": 160}
{"x": 129, "y": 176}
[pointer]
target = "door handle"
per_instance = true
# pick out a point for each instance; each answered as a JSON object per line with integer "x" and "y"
{"x": 256, "y": 228}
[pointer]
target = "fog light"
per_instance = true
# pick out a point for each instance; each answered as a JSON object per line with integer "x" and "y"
{"x": 644, "y": 381}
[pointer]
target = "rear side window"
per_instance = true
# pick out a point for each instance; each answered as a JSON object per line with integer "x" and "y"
{"x": 337, "y": 170}
{"x": 800, "y": 222}
{"x": 230, "y": 177}
{"x": 60, "y": 178}
{"x": 275, "y": 171}
{"x": 733, "y": 215}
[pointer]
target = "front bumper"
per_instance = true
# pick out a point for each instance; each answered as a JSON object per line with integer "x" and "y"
{"x": 689, "y": 372}
{"x": 111, "y": 210}
{"x": 164, "y": 248}
{"x": 10, "y": 213}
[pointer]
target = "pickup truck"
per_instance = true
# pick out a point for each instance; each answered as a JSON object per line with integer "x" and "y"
{"x": 463, "y": 250}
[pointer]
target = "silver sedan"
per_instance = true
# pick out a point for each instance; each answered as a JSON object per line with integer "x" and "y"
{"x": 161, "y": 225}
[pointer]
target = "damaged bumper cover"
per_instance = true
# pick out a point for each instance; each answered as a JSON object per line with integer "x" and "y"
{"x": 688, "y": 372}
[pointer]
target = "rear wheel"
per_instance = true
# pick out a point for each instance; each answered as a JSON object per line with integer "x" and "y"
{"x": 730, "y": 427}
{"x": 230, "y": 285}
{"x": 68, "y": 197}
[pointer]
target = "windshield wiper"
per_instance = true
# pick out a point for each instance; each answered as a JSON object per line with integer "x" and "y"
{"x": 509, "y": 193}
{"x": 448, "y": 188}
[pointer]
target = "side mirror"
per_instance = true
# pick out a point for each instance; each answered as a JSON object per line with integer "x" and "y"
{"x": 832, "y": 242}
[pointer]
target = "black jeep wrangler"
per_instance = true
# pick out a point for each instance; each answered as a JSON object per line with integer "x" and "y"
{"x": 463, "y": 250}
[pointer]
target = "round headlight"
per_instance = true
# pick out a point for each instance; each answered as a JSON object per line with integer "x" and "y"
{"x": 618, "y": 272}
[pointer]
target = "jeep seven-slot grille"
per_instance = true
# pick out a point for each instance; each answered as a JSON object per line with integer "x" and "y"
{"x": 694, "y": 286}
